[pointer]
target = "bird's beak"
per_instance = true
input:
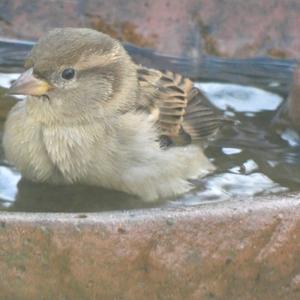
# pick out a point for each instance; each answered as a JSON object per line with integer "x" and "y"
{"x": 27, "y": 84}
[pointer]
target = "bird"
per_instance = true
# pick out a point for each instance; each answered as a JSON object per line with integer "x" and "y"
{"x": 92, "y": 116}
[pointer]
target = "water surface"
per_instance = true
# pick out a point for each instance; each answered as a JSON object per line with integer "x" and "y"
{"x": 251, "y": 159}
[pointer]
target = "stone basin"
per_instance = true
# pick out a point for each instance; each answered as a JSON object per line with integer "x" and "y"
{"x": 239, "y": 249}
{"x": 234, "y": 250}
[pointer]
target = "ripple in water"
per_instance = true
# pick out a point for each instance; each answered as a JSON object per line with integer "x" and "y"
{"x": 251, "y": 160}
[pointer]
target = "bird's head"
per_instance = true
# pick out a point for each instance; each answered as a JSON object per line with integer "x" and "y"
{"x": 75, "y": 74}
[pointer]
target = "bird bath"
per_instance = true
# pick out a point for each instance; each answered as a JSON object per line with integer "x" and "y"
{"x": 235, "y": 236}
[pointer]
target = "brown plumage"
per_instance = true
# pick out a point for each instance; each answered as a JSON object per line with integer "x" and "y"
{"x": 92, "y": 116}
{"x": 183, "y": 112}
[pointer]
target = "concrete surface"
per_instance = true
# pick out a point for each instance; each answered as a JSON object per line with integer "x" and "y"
{"x": 230, "y": 28}
{"x": 232, "y": 250}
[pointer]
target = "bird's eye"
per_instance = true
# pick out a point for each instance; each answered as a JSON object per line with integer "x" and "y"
{"x": 68, "y": 73}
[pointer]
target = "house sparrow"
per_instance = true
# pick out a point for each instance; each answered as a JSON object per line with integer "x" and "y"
{"x": 92, "y": 116}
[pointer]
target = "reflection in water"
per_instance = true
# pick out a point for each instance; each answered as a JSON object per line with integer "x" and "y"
{"x": 33, "y": 197}
{"x": 8, "y": 184}
{"x": 251, "y": 159}
{"x": 240, "y": 98}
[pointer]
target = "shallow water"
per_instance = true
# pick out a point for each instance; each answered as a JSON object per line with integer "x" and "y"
{"x": 251, "y": 160}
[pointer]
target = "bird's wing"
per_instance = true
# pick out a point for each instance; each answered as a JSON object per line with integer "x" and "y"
{"x": 183, "y": 113}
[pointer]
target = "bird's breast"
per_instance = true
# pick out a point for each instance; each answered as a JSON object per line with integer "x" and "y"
{"x": 71, "y": 150}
